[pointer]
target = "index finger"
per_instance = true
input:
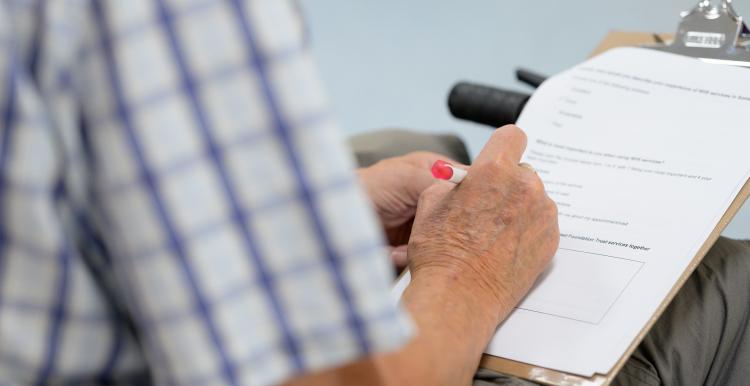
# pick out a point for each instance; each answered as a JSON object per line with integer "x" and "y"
{"x": 507, "y": 144}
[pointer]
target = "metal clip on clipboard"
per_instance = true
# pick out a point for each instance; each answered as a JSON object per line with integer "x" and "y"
{"x": 712, "y": 31}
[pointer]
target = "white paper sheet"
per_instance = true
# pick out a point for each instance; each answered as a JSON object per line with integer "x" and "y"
{"x": 643, "y": 152}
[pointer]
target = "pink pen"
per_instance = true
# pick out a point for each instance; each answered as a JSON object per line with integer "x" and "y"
{"x": 444, "y": 171}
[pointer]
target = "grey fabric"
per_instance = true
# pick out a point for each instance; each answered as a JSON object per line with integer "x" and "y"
{"x": 370, "y": 148}
{"x": 485, "y": 377}
{"x": 701, "y": 339}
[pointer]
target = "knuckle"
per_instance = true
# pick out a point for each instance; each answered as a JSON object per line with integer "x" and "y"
{"x": 530, "y": 184}
{"x": 489, "y": 168}
{"x": 497, "y": 166}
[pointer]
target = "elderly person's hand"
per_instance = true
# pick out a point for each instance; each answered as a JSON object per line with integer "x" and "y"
{"x": 490, "y": 236}
{"x": 394, "y": 186}
{"x": 475, "y": 250}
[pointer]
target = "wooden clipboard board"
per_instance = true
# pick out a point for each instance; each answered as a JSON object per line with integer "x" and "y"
{"x": 553, "y": 377}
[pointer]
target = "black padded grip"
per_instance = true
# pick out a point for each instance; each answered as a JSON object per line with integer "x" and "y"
{"x": 490, "y": 106}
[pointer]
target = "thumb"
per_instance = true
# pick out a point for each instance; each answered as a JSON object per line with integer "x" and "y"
{"x": 507, "y": 144}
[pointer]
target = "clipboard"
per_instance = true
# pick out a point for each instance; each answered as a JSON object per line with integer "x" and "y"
{"x": 554, "y": 377}
{"x": 709, "y": 32}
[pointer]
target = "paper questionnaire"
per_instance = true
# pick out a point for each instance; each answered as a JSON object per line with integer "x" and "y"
{"x": 643, "y": 152}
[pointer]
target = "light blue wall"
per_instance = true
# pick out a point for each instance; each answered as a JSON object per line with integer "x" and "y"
{"x": 390, "y": 63}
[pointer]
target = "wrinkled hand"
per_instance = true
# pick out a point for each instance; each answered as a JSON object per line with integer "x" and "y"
{"x": 394, "y": 186}
{"x": 490, "y": 236}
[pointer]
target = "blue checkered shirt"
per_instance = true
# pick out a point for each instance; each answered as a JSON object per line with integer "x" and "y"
{"x": 176, "y": 204}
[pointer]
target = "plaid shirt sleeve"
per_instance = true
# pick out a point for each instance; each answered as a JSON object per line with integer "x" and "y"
{"x": 185, "y": 164}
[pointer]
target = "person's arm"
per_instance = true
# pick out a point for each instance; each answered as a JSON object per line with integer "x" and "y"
{"x": 475, "y": 250}
{"x": 236, "y": 227}
{"x": 454, "y": 328}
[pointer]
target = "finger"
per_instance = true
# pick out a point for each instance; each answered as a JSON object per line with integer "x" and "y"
{"x": 425, "y": 159}
{"x": 432, "y": 196}
{"x": 506, "y": 144}
{"x": 418, "y": 175}
{"x": 418, "y": 181}
{"x": 398, "y": 256}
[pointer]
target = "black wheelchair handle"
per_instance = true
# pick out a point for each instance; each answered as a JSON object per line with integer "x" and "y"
{"x": 487, "y": 105}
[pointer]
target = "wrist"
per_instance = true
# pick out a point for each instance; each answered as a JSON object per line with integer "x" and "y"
{"x": 468, "y": 287}
{"x": 467, "y": 312}
{"x": 453, "y": 324}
